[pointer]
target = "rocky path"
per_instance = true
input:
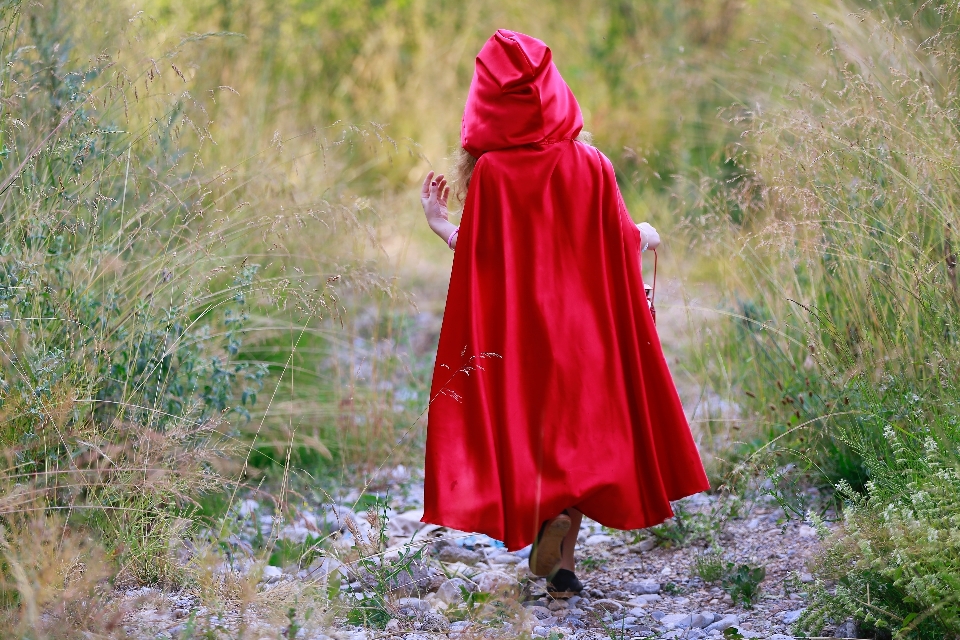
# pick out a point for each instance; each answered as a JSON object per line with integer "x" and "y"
{"x": 421, "y": 581}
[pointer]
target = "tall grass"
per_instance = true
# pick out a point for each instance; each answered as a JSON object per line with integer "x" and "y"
{"x": 847, "y": 343}
{"x": 132, "y": 277}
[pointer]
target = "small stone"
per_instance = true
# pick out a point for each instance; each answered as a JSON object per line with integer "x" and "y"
{"x": 556, "y": 605}
{"x": 541, "y": 613}
{"x": 645, "y": 599}
{"x": 647, "y": 544}
{"x": 642, "y": 586}
{"x": 597, "y": 538}
{"x": 272, "y": 574}
{"x": 780, "y": 636}
{"x": 524, "y": 553}
{"x": 723, "y": 623}
{"x": 608, "y": 605}
{"x": 506, "y": 558}
{"x": 806, "y": 577}
{"x": 846, "y": 630}
{"x": 492, "y": 581}
{"x": 789, "y": 617}
{"x": 638, "y": 611}
{"x": 453, "y": 553}
{"x": 434, "y": 622}
{"x": 573, "y": 600}
{"x": 392, "y": 626}
{"x": 658, "y": 615}
{"x": 727, "y": 598}
{"x": 682, "y": 620}
{"x": 450, "y": 591}
{"x": 413, "y": 603}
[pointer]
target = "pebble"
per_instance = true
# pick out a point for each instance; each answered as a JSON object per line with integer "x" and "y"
{"x": 647, "y": 544}
{"x": 272, "y": 574}
{"x": 453, "y": 553}
{"x": 723, "y": 623}
{"x": 450, "y": 591}
{"x": 392, "y": 625}
{"x": 506, "y": 558}
{"x": 642, "y": 587}
{"x": 492, "y": 581}
{"x": 789, "y": 617}
{"x": 541, "y": 613}
{"x": 645, "y": 599}
{"x": 413, "y": 603}
{"x": 806, "y": 577}
{"x": 608, "y": 605}
{"x": 597, "y": 538}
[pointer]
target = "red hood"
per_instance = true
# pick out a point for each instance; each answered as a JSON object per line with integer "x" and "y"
{"x": 517, "y": 97}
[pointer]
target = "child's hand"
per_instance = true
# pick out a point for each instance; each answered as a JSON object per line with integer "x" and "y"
{"x": 649, "y": 238}
{"x": 433, "y": 197}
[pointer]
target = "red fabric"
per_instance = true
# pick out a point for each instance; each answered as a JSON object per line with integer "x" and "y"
{"x": 550, "y": 388}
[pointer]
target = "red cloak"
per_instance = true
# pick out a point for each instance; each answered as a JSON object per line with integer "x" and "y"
{"x": 550, "y": 388}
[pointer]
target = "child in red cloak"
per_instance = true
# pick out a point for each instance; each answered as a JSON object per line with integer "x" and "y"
{"x": 551, "y": 397}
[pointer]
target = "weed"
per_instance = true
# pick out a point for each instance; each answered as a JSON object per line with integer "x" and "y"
{"x": 590, "y": 562}
{"x": 709, "y": 566}
{"x": 378, "y": 575}
{"x": 742, "y": 582}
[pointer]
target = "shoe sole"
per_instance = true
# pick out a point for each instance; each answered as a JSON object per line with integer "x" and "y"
{"x": 545, "y": 557}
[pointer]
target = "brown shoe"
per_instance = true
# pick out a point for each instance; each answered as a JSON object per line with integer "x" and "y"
{"x": 545, "y": 556}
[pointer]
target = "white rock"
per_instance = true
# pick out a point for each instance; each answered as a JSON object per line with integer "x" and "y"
{"x": 645, "y": 599}
{"x": 645, "y": 545}
{"x": 789, "y": 617}
{"x": 598, "y": 538}
{"x": 681, "y": 620}
{"x": 392, "y": 625}
{"x": 642, "y": 587}
{"x": 491, "y": 581}
{"x": 723, "y": 623}
{"x": 413, "y": 603}
{"x": 450, "y": 591}
{"x": 506, "y": 558}
{"x": 806, "y": 577}
{"x": 272, "y": 574}
{"x": 780, "y": 636}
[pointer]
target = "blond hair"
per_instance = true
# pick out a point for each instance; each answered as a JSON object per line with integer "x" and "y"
{"x": 464, "y": 163}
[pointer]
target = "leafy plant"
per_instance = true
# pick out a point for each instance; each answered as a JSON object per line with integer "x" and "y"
{"x": 742, "y": 582}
